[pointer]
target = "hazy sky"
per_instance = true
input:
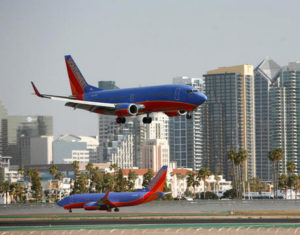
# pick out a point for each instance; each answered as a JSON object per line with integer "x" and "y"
{"x": 133, "y": 42}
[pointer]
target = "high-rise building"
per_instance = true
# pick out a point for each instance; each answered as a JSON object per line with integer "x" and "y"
{"x": 107, "y": 123}
{"x": 3, "y": 129}
{"x": 285, "y": 115}
{"x": 118, "y": 147}
{"x": 155, "y": 154}
{"x": 229, "y": 118}
{"x": 185, "y": 135}
{"x": 19, "y": 131}
{"x": 40, "y": 150}
{"x": 266, "y": 74}
{"x": 68, "y": 148}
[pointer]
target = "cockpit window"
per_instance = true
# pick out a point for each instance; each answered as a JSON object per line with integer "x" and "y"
{"x": 191, "y": 91}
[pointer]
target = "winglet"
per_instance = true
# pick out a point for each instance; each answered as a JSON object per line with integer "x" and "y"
{"x": 36, "y": 90}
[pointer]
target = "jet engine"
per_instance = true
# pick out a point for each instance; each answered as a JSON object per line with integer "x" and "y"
{"x": 181, "y": 112}
{"x": 128, "y": 109}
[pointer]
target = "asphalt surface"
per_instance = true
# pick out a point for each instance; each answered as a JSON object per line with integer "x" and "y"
{"x": 153, "y": 221}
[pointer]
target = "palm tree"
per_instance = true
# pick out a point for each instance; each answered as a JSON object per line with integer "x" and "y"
{"x": 290, "y": 166}
{"x": 30, "y": 173}
{"x": 75, "y": 165}
{"x": 114, "y": 166}
{"x": 203, "y": 174}
{"x": 19, "y": 192}
{"x": 241, "y": 159}
{"x": 283, "y": 183}
{"x": 293, "y": 183}
{"x": 5, "y": 189}
{"x": 12, "y": 192}
{"x": 21, "y": 171}
{"x": 53, "y": 169}
{"x": 132, "y": 176}
{"x": 231, "y": 156}
{"x": 275, "y": 155}
{"x": 192, "y": 181}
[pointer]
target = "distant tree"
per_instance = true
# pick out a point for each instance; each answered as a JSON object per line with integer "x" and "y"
{"x": 12, "y": 192}
{"x": 275, "y": 155}
{"x": 30, "y": 173}
{"x": 108, "y": 182}
{"x": 76, "y": 189}
{"x": 169, "y": 191}
{"x": 147, "y": 177}
{"x": 19, "y": 192}
{"x": 241, "y": 162}
{"x": 290, "y": 166}
{"x": 192, "y": 181}
{"x": 203, "y": 174}
{"x": 5, "y": 189}
{"x": 21, "y": 171}
{"x": 98, "y": 181}
{"x": 36, "y": 186}
{"x": 131, "y": 180}
{"x": 53, "y": 169}
{"x": 256, "y": 185}
{"x": 83, "y": 181}
{"x": 231, "y": 194}
{"x": 232, "y": 157}
{"x": 114, "y": 167}
{"x": 59, "y": 176}
{"x": 209, "y": 196}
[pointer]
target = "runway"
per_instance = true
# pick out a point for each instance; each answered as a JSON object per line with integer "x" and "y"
{"x": 147, "y": 221}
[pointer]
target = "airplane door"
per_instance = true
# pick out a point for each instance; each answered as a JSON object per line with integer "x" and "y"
{"x": 177, "y": 94}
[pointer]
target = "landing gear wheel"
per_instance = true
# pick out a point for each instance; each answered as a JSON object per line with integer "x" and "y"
{"x": 117, "y": 209}
{"x": 147, "y": 120}
{"x": 189, "y": 115}
{"x": 70, "y": 210}
{"x": 120, "y": 120}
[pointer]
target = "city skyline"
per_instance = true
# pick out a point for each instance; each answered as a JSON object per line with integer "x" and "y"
{"x": 132, "y": 43}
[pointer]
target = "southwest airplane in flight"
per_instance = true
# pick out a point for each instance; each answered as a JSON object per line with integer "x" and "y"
{"x": 173, "y": 100}
{"x": 107, "y": 201}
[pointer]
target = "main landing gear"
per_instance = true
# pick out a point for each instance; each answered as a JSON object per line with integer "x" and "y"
{"x": 147, "y": 120}
{"x": 189, "y": 115}
{"x": 116, "y": 209}
{"x": 70, "y": 210}
{"x": 121, "y": 120}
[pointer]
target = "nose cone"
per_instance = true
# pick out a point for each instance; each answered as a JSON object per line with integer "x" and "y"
{"x": 63, "y": 202}
{"x": 201, "y": 98}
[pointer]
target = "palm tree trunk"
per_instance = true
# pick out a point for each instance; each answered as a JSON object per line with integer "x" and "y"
{"x": 274, "y": 178}
{"x": 234, "y": 174}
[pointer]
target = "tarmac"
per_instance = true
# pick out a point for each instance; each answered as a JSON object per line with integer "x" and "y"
{"x": 242, "y": 222}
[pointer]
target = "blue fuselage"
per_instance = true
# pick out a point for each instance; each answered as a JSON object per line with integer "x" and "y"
{"x": 155, "y": 98}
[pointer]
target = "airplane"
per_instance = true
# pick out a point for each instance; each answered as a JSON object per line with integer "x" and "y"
{"x": 173, "y": 100}
{"x": 109, "y": 200}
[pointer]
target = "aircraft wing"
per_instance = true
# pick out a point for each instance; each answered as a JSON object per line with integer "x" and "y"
{"x": 105, "y": 201}
{"x": 73, "y": 102}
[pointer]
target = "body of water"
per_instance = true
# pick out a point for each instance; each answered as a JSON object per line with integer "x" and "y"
{"x": 167, "y": 207}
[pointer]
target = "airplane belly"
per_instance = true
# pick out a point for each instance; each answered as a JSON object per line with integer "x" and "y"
{"x": 161, "y": 106}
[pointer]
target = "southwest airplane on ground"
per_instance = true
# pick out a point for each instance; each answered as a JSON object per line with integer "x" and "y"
{"x": 173, "y": 100}
{"x": 107, "y": 201}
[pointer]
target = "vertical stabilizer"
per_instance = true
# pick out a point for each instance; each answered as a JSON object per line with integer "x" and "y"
{"x": 78, "y": 84}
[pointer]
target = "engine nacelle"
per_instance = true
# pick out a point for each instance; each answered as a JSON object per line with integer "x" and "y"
{"x": 181, "y": 112}
{"x": 91, "y": 206}
{"x": 128, "y": 109}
